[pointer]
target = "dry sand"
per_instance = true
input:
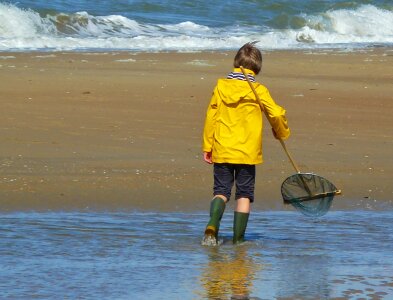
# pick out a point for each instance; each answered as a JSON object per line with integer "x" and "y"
{"x": 123, "y": 130}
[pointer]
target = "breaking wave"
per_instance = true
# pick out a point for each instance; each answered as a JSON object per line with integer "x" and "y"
{"x": 26, "y": 29}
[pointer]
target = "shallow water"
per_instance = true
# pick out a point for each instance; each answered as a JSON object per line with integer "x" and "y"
{"x": 130, "y": 255}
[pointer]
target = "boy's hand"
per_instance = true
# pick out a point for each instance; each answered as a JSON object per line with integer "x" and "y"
{"x": 207, "y": 157}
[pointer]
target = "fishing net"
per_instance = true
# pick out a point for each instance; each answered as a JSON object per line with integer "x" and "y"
{"x": 310, "y": 194}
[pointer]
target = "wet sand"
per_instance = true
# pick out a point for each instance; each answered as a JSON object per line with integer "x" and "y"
{"x": 123, "y": 130}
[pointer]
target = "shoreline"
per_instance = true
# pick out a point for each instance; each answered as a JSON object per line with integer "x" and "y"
{"x": 122, "y": 130}
{"x": 347, "y": 48}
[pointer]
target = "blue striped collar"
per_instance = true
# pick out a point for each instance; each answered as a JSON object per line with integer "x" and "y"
{"x": 240, "y": 76}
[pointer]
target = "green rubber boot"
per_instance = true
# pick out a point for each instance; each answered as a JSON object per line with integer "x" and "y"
{"x": 240, "y": 221}
{"x": 217, "y": 207}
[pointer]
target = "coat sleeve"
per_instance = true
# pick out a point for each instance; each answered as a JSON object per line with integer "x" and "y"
{"x": 274, "y": 113}
{"x": 210, "y": 123}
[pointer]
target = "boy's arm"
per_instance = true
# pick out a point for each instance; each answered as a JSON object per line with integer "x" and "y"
{"x": 275, "y": 114}
{"x": 210, "y": 124}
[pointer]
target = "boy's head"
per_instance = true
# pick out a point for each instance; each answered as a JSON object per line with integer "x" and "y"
{"x": 249, "y": 57}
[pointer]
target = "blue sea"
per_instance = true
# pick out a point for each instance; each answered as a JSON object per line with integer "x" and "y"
{"x": 184, "y": 25}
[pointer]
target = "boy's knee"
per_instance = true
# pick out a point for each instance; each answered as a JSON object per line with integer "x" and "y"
{"x": 244, "y": 199}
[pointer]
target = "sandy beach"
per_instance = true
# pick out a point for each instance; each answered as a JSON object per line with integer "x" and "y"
{"x": 122, "y": 130}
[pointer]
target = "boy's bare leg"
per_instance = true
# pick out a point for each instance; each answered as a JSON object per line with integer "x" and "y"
{"x": 243, "y": 205}
{"x": 240, "y": 220}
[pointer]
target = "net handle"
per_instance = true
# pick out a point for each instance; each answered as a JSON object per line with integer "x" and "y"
{"x": 310, "y": 194}
{"x": 263, "y": 109}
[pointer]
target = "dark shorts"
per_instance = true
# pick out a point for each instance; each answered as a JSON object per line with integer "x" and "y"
{"x": 243, "y": 175}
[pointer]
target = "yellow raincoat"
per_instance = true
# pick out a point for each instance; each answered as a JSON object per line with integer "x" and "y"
{"x": 233, "y": 126}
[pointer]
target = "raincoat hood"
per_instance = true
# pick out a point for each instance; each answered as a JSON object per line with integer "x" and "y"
{"x": 233, "y": 91}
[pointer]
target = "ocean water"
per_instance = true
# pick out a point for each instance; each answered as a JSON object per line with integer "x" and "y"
{"x": 184, "y": 25}
{"x": 134, "y": 255}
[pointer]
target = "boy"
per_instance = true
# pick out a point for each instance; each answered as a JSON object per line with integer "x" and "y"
{"x": 232, "y": 140}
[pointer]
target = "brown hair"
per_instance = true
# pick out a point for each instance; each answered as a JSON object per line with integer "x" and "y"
{"x": 249, "y": 57}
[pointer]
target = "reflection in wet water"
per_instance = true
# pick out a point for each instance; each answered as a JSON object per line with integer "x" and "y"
{"x": 129, "y": 255}
{"x": 229, "y": 271}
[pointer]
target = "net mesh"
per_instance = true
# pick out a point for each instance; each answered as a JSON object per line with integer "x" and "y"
{"x": 311, "y": 194}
